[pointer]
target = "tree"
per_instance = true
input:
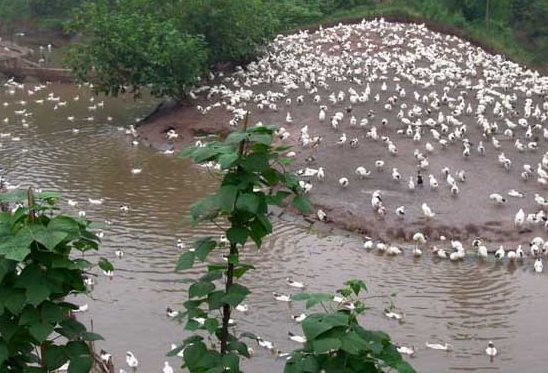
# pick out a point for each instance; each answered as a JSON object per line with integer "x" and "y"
{"x": 232, "y": 29}
{"x": 128, "y": 49}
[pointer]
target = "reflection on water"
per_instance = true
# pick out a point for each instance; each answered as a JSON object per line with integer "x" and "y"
{"x": 465, "y": 304}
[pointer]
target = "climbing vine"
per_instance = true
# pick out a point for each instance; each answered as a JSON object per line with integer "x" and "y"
{"x": 38, "y": 331}
{"x": 253, "y": 178}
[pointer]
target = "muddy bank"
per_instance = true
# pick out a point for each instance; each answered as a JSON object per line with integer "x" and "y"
{"x": 35, "y": 54}
{"x": 464, "y": 216}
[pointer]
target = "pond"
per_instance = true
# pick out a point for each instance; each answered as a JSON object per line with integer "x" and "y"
{"x": 465, "y": 304}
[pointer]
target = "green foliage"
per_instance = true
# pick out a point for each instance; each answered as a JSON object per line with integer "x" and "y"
{"x": 41, "y": 8}
{"x": 335, "y": 341}
{"x": 37, "y": 274}
{"x": 12, "y": 11}
{"x": 135, "y": 50}
{"x": 232, "y": 29}
{"x": 253, "y": 178}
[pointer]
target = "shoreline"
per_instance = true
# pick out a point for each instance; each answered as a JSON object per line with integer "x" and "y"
{"x": 351, "y": 211}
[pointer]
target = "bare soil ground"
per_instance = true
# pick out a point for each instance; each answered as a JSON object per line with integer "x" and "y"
{"x": 465, "y": 216}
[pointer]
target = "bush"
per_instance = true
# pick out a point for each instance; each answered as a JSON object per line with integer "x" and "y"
{"x": 336, "y": 342}
{"x": 37, "y": 273}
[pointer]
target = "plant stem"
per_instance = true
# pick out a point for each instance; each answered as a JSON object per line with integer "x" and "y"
{"x": 226, "y": 307}
{"x": 43, "y": 358}
{"x": 230, "y": 269}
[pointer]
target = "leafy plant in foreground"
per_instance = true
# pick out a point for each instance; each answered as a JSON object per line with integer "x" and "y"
{"x": 335, "y": 341}
{"x": 37, "y": 330}
{"x": 253, "y": 178}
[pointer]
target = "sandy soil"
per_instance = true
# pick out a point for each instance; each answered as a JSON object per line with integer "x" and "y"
{"x": 465, "y": 216}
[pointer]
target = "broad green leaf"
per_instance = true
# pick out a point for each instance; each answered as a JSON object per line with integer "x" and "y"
{"x": 216, "y": 369}
{"x": 92, "y": 337}
{"x": 285, "y": 161}
{"x": 52, "y": 313}
{"x": 211, "y": 325}
{"x": 41, "y": 331}
{"x": 242, "y": 269}
{"x": 248, "y": 335}
{"x": 316, "y": 324}
{"x": 237, "y": 235}
{"x": 193, "y": 354}
{"x": 376, "y": 339}
{"x": 390, "y": 355}
{"x": 49, "y": 238}
{"x": 29, "y": 316}
{"x": 227, "y": 160}
{"x": 231, "y": 361}
{"x": 353, "y": 343}
{"x": 105, "y": 265}
{"x": 236, "y": 294}
{"x": 64, "y": 224}
{"x": 310, "y": 364}
{"x": 186, "y": 261}
{"x": 203, "y": 209}
{"x": 7, "y": 328}
{"x": 356, "y": 286}
{"x": 256, "y": 162}
{"x": 80, "y": 364}
{"x": 204, "y": 247}
{"x": 302, "y": 204}
{"x": 236, "y": 137}
{"x": 37, "y": 293}
{"x": 204, "y": 154}
{"x": 240, "y": 347}
{"x": 17, "y": 247}
{"x": 71, "y": 328}
{"x": 175, "y": 351}
{"x": 14, "y": 302}
{"x": 77, "y": 348}
{"x": 214, "y": 300}
{"x": 226, "y": 197}
{"x": 211, "y": 276}
{"x": 267, "y": 226}
{"x": 264, "y": 139}
{"x": 55, "y": 356}
{"x": 324, "y": 345}
{"x": 317, "y": 298}
{"x": 187, "y": 151}
{"x": 200, "y": 289}
{"x": 248, "y": 202}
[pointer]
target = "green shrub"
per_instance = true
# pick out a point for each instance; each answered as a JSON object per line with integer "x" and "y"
{"x": 37, "y": 274}
{"x": 336, "y": 342}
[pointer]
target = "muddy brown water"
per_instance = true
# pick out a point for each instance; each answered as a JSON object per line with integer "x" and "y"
{"x": 465, "y": 304}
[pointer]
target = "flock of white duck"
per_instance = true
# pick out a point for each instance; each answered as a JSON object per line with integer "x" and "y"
{"x": 381, "y": 83}
{"x": 385, "y": 83}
